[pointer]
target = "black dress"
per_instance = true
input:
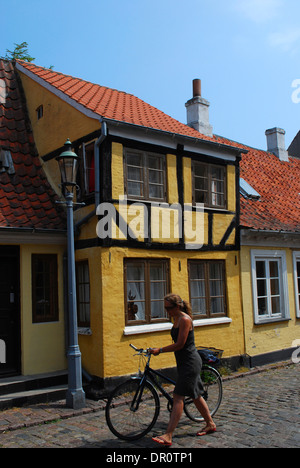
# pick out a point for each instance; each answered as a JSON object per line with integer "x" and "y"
{"x": 189, "y": 365}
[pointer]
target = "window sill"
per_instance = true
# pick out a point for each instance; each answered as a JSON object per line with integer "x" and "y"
{"x": 156, "y": 327}
{"x": 212, "y": 321}
{"x": 84, "y": 331}
{"x": 270, "y": 321}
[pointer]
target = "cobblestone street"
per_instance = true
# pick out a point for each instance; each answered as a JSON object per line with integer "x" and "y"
{"x": 260, "y": 410}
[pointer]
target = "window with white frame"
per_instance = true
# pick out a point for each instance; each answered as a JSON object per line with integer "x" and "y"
{"x": 296, "y": 259}
{"x": 270, "y": 287}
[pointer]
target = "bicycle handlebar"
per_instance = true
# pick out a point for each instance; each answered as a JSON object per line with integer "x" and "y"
{"x": 140, "y": 350}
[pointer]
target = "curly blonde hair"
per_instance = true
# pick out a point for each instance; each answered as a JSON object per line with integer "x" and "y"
{"x": 175, "y": 299}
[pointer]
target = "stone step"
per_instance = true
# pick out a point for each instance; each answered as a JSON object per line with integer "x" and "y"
{"x": 22, "y": 390}
{"x": 42, "y": 395}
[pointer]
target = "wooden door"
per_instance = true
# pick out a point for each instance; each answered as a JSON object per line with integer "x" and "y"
{"x": 9, "y": 311}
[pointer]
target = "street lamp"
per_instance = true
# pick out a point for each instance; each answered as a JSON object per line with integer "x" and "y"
{"x": 68, "y": 165}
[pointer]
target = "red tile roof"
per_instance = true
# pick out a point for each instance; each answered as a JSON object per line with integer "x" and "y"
{"x": 26, "y": 198}
{"x": 277, "y": 182}
{"x": 112, "y": 104}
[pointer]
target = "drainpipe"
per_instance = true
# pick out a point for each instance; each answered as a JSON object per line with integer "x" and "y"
{"x": 98, "y": 143}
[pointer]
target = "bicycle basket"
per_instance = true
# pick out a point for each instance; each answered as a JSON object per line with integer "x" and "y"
{"x": 210, "y": 356}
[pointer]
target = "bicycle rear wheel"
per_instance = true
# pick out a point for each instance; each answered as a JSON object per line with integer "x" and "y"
{"x": 126, "y": 419}
{"x": 213, "y": 393}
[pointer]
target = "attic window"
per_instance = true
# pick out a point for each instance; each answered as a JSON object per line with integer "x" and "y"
{"x": 247, "y": 191}
{"x": 39, "y": 112}
{"x": 6, "y": 162}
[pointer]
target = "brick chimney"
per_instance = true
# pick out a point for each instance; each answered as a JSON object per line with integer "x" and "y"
{"x": 197, "y": 111}
{"x": 276, "y": 143}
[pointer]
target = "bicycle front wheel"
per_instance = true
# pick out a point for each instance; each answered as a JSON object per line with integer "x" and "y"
{"x": 213, "y": 393}
{"x": 130, "y": 415}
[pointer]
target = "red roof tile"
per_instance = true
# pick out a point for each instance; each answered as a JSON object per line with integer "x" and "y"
{"x": 26, "y": 197}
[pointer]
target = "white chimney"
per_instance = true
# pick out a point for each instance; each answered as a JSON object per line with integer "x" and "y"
{"x": 197, "y": 111}
{"x": 276, "y": 143}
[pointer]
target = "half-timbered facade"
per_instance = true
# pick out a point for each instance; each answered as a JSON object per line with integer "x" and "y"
{"x": 161, "y": 214}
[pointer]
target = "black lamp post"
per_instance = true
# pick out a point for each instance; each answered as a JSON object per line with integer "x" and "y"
{"x": 68, "y": 165}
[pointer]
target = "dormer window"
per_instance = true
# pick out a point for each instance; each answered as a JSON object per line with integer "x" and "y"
{"x": 248, "y": 191}
{"x": 6, "y": 162}
{"x": 39, "y": 112}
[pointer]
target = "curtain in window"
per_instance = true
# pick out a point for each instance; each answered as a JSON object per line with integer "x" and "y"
{"x": 198, "y": 296}
{"x": 136, "y": 291}
{"x": 157, "y": 291}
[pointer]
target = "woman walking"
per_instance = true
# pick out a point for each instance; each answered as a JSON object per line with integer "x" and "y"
{"x": 189, "y": 366}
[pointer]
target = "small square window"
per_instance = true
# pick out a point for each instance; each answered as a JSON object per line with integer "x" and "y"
{"x": 39, "y": 112}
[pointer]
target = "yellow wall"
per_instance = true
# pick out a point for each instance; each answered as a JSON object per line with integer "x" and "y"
{"x": 91, "y": 346}
{"x": 59, "y": 122}
{"x": 115, "y": 357}
{"x": 266, "y": 338}
{"x": 42, "y": 344}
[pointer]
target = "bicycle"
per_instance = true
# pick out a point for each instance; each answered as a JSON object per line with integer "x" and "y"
{"x": 133, "y": 407}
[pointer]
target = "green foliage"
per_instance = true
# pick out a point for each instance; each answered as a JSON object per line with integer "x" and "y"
{"x": 20, "y": 52}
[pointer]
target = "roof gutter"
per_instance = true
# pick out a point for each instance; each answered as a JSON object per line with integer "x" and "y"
{"x": 269, "y": 231}
{"x": 189, "y": 139}
{"x": 32, "y": 230}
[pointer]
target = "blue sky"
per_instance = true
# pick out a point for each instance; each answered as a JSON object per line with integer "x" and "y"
{"x": 246, "y": 52}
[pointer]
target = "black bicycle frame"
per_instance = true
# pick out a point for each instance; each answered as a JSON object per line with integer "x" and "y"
{"x": 150, "y": 376}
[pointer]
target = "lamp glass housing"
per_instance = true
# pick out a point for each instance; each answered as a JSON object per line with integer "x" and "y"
{"x": 68, "y": 165}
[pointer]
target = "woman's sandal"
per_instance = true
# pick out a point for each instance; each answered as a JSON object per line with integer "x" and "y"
{"x": 161, "y": 441}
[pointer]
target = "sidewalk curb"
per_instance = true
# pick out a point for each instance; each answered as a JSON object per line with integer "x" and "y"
{"x": 259, "y": 370}
{"x": 59, "y": 409}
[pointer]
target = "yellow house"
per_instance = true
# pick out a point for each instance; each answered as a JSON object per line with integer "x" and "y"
{"x": 270, "y": 250}
{"x": 32, "y": 246}
{"x": 161, "y": 214}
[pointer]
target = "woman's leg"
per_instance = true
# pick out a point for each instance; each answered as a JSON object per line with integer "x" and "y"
{"x": 178, "y": 403}
{"x": 202, "y": 407}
